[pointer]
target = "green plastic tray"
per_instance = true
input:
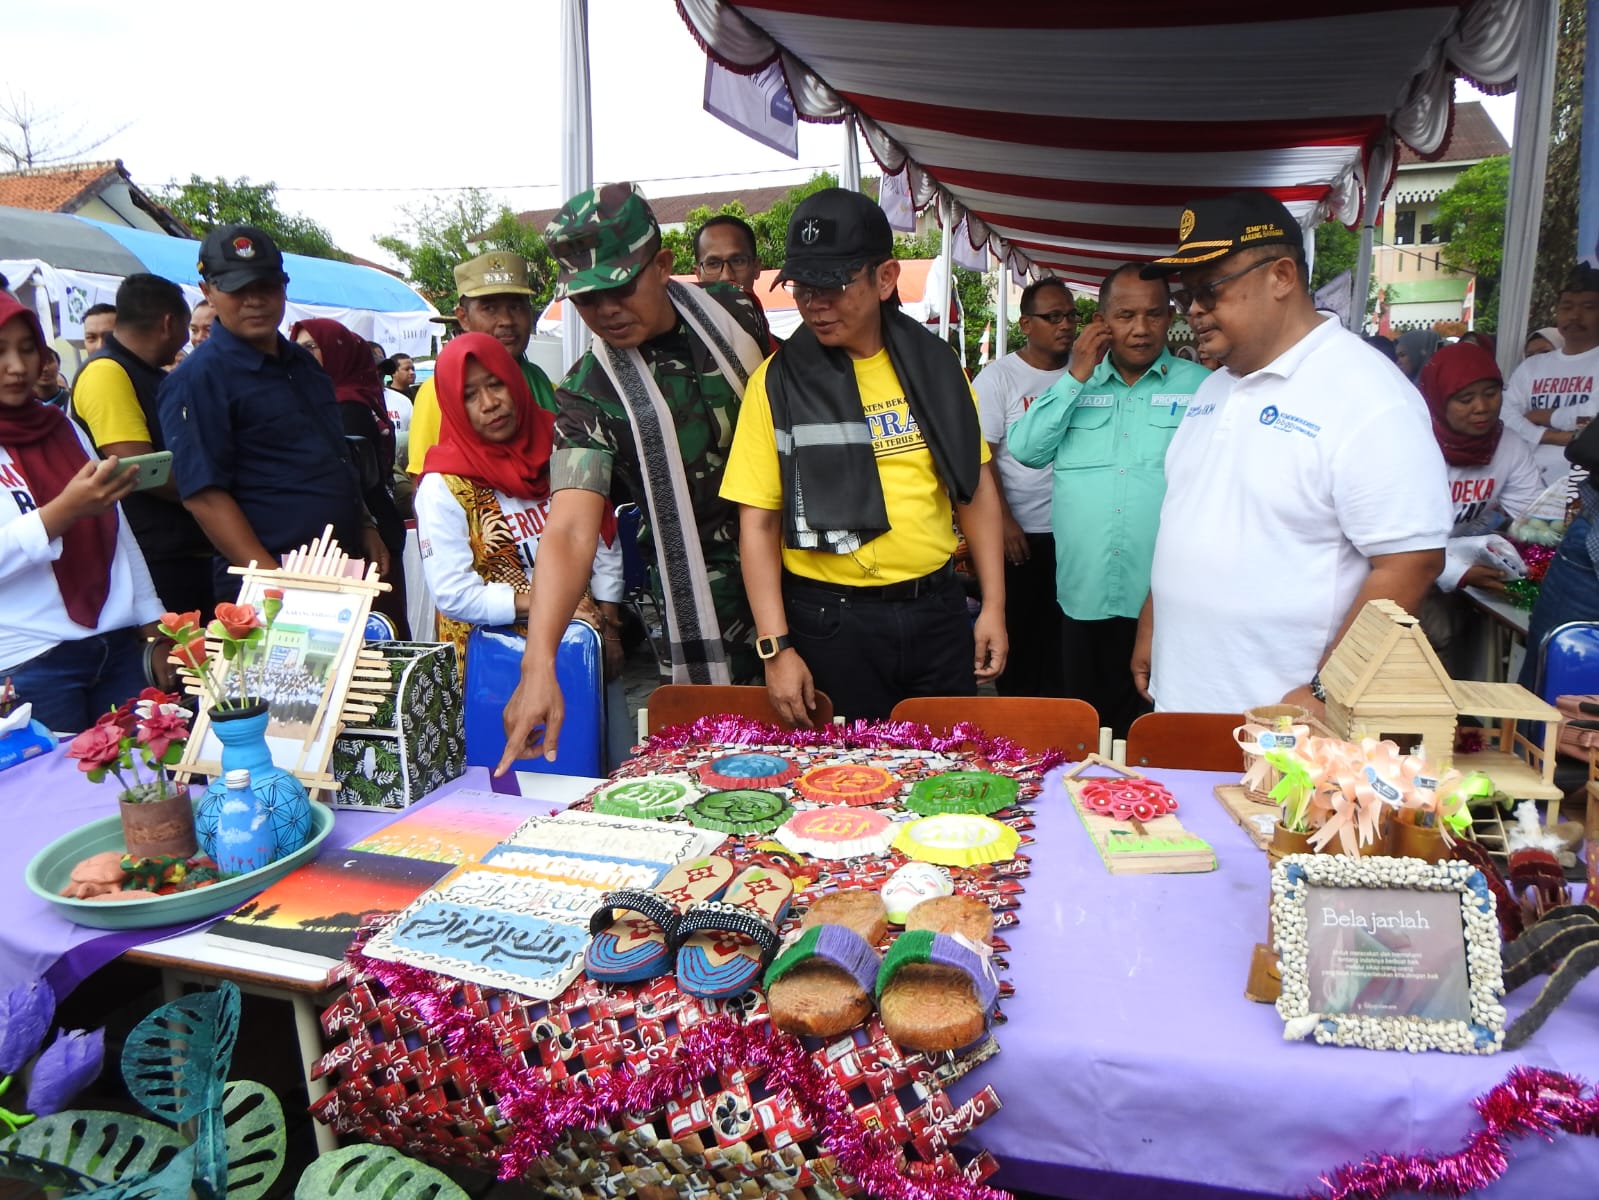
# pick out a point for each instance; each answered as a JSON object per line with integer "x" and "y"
{"x": 51, "y": 870}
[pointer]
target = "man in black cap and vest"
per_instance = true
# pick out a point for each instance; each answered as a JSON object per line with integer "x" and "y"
{"x": 258, "y": 449}
{"x": 857, "y": 449}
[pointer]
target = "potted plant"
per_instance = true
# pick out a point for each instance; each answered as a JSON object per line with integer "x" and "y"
{"x": 157, "y": 818}
{"x": 239, "y": 716}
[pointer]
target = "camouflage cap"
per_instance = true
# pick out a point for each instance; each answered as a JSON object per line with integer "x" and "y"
{"x": 600, "y": 237}
{"x": 492, "y": 274}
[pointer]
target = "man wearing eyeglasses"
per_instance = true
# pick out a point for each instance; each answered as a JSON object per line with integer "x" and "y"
{"x": 858, "y": 447}
{"x": 1005, "y": 389}
{"x": 725, "y": 252}
{"x": 494, "y": 298}
{"x": 1103, "y": 429}
{"x": 1303, "y": 483}
{"x": 647, "y": 416}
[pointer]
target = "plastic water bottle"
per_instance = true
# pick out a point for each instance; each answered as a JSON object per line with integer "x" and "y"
{"x": 244, "y": 839}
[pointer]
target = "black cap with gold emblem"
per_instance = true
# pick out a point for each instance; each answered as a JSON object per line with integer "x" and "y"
{"x": 1212, "y": 228}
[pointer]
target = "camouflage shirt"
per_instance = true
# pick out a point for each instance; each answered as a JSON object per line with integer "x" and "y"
{"x": 595, "y": 450}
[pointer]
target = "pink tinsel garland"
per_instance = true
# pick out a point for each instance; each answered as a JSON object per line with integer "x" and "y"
{"x": 727, "y": 729}
{"x": 1530, "y": 1101}
{"x": 539, "y": 1112}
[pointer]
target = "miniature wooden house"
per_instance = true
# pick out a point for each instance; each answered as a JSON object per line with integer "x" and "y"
{"x": 1384, "y": 681}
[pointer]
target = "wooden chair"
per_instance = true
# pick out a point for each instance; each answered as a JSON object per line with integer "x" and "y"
{"x": 1193, "y": 741}
{"x": 677, "y": 703}
{"x": 1033, "y": 722}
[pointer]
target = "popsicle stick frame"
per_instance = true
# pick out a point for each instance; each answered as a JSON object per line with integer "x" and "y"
{"x": 315, "y": 673}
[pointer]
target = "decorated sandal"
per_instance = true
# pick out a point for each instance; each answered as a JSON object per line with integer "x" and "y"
{"x": 722, "y": 945}
{"x": 935, "y": 991}
{"x": 821, "y": 985}
{"x": 630, "y": 947}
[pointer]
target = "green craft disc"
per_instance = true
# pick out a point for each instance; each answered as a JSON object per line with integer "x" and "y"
{"x": 979, "y": 792}
{"x": 740, "y": 810}
{"x": 651, "y": 797}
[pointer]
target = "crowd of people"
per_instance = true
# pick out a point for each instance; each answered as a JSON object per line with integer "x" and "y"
{"x": 1143, "y": 530}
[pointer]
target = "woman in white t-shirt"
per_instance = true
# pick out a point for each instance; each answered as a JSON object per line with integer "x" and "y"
{"x": 74, "y": 589}
{"x": 483, "y": 498}
{"x": 1492, "y": 478}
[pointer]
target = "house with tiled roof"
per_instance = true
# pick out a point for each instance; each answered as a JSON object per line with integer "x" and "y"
{"x": 100, "y": 191}
{"x": 1408, "y": 251}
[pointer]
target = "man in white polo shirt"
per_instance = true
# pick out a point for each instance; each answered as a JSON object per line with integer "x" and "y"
{"x": 1303, "y": 483}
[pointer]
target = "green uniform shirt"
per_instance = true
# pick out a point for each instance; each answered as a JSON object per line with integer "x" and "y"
{"x": 1107, "y": 444}
{"x": 595, "y": 451}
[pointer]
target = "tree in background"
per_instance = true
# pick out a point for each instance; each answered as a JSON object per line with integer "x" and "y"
{"x": 1471, "y": 218}
{"x": 34, "y": 137}
{"x": 1557, "y": 228}
{"x": 771, "y": 226}
{"x": 203, "y": 204}
{"x": 449, "y": 230}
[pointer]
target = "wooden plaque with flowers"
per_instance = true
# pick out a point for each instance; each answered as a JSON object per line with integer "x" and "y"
{"x": 293, "y": 643}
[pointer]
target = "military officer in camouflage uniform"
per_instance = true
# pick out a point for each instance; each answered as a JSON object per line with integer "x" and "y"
{"x": 681, "y": 356}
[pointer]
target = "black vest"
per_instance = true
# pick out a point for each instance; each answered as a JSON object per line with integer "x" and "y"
{"x": 164, "y": 530}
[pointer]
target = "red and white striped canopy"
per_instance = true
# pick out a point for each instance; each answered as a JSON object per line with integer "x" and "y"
{"x": 1071, "y": 135}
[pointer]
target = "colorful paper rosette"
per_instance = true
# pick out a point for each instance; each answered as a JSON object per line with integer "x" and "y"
{"x": 958, "y": 840}
{"x": 1127, "y": 799}
{"x": 748, "y": 770}
{"x": 980, "y": 792}
{"x": 848, "y": 783}
{"x": 647, "y": 797}
{"x": 838, "y": 831}
{"x": 739, "y": 810}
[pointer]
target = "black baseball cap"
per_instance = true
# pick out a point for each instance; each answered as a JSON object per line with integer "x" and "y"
{"x": 235, "y": 256}
{"x": 832, "y": 234}
{"x": 1217, "y": 226}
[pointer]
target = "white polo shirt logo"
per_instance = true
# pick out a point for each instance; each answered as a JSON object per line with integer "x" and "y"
{"x": 1274, "y": 418}
{"x": 1268, "y": 415}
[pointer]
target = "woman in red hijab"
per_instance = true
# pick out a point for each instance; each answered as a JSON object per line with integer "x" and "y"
{"x": 484, "y": 495}
{"x": 1493, "y": 479}
{"x": 359, "y": 391}
{"x": 74, "y": 589}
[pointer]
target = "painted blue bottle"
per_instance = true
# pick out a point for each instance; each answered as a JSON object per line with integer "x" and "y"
{"x": 244, "y": 833}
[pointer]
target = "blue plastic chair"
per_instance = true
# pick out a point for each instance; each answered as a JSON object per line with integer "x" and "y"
{"x": 493, "y": 668}
{"x": 1568, "y": 661}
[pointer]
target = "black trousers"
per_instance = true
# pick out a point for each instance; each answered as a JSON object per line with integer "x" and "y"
{"x": 1032, "y": 624}
{"x": 1096, "y": 657}
{"x": 869, "y": 654}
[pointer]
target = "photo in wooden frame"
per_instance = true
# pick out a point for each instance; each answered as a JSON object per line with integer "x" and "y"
{"x": 1388, "y": 953}
{"x": 313, "y": 671}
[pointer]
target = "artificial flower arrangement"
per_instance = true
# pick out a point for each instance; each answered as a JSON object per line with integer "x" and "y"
{"x": 152, "y": 728}
{"x": 1358, "y": 795}
{"x": 242, "y": 632}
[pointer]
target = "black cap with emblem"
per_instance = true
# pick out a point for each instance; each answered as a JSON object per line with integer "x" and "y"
{"x": 833, "y": 234}
{"x": 1216, "y": 226}
{"x": 235, "y": 256}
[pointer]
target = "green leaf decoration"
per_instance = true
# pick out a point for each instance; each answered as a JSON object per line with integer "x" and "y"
{"x": 172, "y": 1182}
{"x": 176, "y": 1060}
{"x": 254, "y": 1121}
{"x": 84, "y": 1148}
{"x": 373, "y": 1173}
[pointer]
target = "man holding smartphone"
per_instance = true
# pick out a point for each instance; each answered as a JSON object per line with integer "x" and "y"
{"x": 115, "y": 400}
{"x": 258, "y": 449}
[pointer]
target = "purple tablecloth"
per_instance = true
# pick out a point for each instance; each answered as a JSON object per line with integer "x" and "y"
{"x": 43, "y": 799}
{"x": 1130, "y": 1051}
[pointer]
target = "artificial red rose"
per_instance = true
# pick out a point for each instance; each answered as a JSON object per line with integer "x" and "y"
{"x": 97, "y": 747}
{"x": 237, "y": 620}
{"x": 121, "y": 718}
{"x": 159, "y": 730}
{"x": 191, "y": 653}
{"x": 272, "y": 593}
{"x": 173, "y": 624}
{"x": 156, "y": 697}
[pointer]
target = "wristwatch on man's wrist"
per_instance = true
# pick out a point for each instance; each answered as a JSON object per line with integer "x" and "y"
{"x": 770, "y": 647}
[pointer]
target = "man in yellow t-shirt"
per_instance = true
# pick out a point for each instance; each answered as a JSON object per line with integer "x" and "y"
{"x": 857, "y": 449}
{"x": 114, "y": 399}
{"x": 494, "y": 299}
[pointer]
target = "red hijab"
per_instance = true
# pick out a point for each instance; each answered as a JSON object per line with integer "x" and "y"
{"x": 519, "y": 467}
{"x": 348, "y": 362}
{"x": 1452, "y": 368}
{"x": 41, "y": 442}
